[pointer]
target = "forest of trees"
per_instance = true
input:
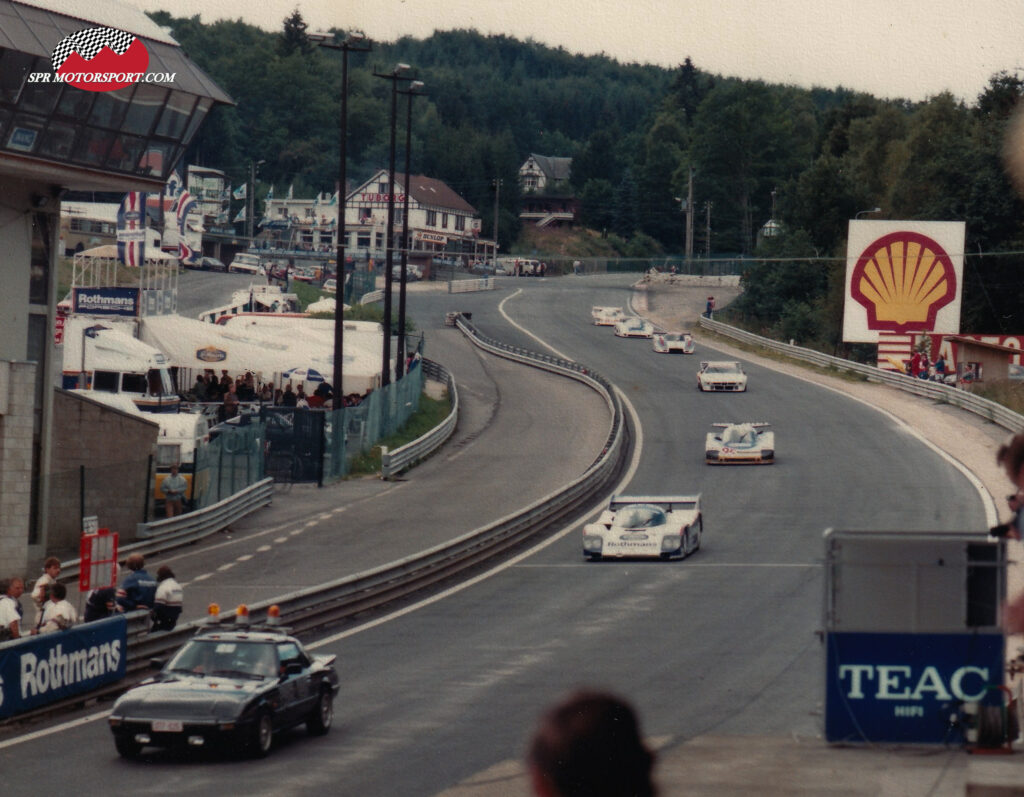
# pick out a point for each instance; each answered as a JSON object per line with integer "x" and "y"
{"x": 636, "y": 133}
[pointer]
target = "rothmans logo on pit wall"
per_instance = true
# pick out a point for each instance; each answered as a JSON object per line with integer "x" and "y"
{"x": 101, "y": 59}
{"x": 903, "y": 279}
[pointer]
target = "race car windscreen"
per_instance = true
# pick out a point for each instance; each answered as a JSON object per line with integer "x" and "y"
{"x": 640, "y": 516}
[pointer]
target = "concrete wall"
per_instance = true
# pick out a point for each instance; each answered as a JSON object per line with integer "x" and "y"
{"x": 115, "y": 448}
{"x": 15, "y": 464}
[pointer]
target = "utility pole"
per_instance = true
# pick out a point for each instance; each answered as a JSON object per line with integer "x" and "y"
{"x": 689, "y": 216}
{"x": 707, "y": 232}
{"x": 497, "y": 191}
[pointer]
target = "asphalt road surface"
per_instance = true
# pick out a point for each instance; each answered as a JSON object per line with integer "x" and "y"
{"x": 720, "y": 644}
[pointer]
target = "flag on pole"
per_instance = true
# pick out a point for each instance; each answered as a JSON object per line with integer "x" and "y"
{"x": 131, "y": 229}
{"x": 240, "y": 216}
{"x": 291, "y": 190}
{"x": 240, "y": 192}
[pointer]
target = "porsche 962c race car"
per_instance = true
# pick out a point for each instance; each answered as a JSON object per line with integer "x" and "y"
{"x": 635, "y": 327}
{"x": 722, "y": 375}
{"x": 660, "y": 527}
{"x": 740, "y": 444}
{"x": 606, "y": 316}
{"x": 666, "y": 342}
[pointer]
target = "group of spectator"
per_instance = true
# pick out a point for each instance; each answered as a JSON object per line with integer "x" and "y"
{"x": 245, "y": 388}
{"x": 921, "y": 367}
{"x": 162, "y": 596}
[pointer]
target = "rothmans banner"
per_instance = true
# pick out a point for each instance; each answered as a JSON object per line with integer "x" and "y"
{"x": 903, "y": 278}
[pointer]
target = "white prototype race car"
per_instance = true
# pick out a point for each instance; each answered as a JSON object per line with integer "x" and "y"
{"x": 740, "y": 444}
{"x": 606, "y": 316}
{"x": 635, "y": 327}
{"x": 722, "y": 375}
{"x": 660, "y": 527}
{"x": 666, "y": 342}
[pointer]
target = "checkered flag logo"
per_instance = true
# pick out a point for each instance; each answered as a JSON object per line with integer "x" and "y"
{"x": 88, "y": 43}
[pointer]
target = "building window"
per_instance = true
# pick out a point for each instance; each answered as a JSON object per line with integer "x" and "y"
{"x": 530, "y": 182}
{"x": 460, "y": 223}
{"x": 378, "y": 240}
{"x": 363, "y": 242}
{"x": 431, "y": 218}
{"x": 310, "y": 213}
{"x": 444, "y": 221}
{"x": 382, "y": 188}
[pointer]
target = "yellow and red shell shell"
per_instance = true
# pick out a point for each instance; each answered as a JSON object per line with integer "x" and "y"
{"x": 903, "y": 279}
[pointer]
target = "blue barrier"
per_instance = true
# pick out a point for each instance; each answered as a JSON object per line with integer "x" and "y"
{"x": 39, "y": 670}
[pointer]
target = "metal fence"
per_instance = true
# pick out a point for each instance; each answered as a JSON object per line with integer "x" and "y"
{"x": 229, "y": 463}
{"x": 393, "y": 462}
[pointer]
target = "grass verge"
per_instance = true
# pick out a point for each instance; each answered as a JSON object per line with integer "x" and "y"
{"x": 430, "y": 414}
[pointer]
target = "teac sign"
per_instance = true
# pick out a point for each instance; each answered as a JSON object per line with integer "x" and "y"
{"x": 902, "y": 277}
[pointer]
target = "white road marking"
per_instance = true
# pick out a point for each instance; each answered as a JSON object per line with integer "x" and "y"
{"x": 226, "y": 566}
{"x": 203, "y": 577}
{"x": 245, "y": 558}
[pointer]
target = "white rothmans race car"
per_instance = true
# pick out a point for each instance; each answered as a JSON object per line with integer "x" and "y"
{"x": 662, "y": 527}
{"x": 740, "y": 444}
{"x": 606, "y": 316}
{"x": 722, "y": 375}
{"x": 673, "y": 341}
{"x": 634, "y": 327}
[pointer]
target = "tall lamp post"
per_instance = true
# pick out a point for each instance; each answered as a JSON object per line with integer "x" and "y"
{"x": 353, "y": 42}
{"x": 416, "y": 87}
{"x": 250, "y": 209}
{"x": 395, "y": 75}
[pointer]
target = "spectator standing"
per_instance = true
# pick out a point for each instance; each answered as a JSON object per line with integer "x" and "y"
{"x": 173, "y": 487}
{"x": 590, "y": 745}
{"x": 10, "y": 608}
{"x": 138, "y": 589}
{"x": 709, "y": 308}
{"x": 199, "y": 388}
{"x": 915, "y": 363}
{"x": 940, "y": 368}
{"x": 230, "y": 402}
{"x": 41, "y": 589}
{"x": 1011, "y": 457}
{"x": 288, "y": 398}
{"x": 59, "y": 614}
{"x": 168, "y": 600}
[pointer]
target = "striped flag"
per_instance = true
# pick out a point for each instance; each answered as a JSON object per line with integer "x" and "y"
{"x": 131, "y": 229}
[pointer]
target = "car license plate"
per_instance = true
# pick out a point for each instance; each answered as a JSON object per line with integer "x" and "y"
{"x": 167, "y": 726}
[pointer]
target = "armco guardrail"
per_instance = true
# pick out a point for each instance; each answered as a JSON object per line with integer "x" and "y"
{"x": 338, "y": 600}
{"x": 394, "y": 462}
{"x": 965, "y": 399}
{"x": 371, "y": 297}
{"x": 343, "y": 598}
{"x": 163, "y": 535}
{"x": 469, "y": 286}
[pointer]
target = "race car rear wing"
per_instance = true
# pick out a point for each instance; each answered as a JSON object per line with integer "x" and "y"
{"x": 668, "y": 503}
{"x": 755, "y": 424}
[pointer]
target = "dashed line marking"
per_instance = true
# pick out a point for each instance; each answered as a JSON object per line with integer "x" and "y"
{"x": 281, "y": 539}
{"x": 264, "y": 548}
{"x": 227, "y": 566}
{"x": 245, "y": 558}
{"x": 203, "y": 577}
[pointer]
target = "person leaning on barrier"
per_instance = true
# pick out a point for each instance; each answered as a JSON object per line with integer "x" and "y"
{"x": 589, "y": 745}
{"x": 167, "y": 603}
{"x": 10, "y": 608}
{"x": 138, "y": 589}
{"x": 59, "y": 614}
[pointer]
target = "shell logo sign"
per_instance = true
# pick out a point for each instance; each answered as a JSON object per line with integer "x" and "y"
{"x": 902, "y": 278}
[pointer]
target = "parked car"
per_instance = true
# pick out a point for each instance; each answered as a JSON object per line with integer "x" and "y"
{"x": 247, "y": 263}
{"x": 330, "y": 286}
{"x": 212, "y": 264}
{"x": 228, "y": 688}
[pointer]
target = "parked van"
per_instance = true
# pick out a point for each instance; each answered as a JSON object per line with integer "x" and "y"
{"x": 246, "y": 262}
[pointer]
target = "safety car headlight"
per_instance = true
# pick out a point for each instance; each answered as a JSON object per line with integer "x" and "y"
{"x": 670, "y": 542}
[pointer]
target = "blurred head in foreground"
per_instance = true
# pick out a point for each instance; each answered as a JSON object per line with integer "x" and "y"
{"x": 590, "y": 744}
